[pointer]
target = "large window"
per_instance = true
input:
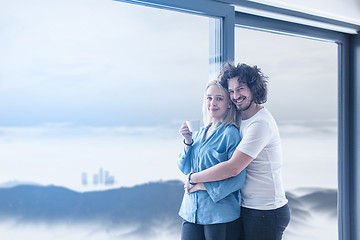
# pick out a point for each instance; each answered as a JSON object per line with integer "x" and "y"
{"x": 302, "y": 81}
{"x": 92, "y": 95}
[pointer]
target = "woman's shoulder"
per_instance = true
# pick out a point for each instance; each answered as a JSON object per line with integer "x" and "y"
{"x": 231, "y": 128}
{"x": 231, "y": 131}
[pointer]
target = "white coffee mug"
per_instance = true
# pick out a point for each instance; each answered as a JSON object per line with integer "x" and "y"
{"x": 193, "y": 125}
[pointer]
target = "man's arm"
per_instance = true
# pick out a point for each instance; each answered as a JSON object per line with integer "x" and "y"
{"x": 238, "y": 162}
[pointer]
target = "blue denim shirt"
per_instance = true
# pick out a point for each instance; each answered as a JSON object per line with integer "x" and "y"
{"x": 220, "y": 202}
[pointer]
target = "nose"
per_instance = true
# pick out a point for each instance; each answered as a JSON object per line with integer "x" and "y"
{"x": 236, "y": 95}
{"x": 213, "y": 102}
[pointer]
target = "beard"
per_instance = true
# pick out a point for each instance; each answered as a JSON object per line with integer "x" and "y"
{"x": 242, "y": 107}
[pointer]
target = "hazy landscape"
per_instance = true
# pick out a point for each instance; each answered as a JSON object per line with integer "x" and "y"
{"x": 144, "y": 201}
{"x": 147, "y": 211}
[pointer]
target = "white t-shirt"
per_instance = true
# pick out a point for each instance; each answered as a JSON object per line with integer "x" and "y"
{"x": 263, "y": 189}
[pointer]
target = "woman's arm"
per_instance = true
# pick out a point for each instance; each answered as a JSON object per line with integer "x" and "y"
{"x": 184, "y": 161}
{"x": 185, "y": 132}
{"x": 238, "y": 162}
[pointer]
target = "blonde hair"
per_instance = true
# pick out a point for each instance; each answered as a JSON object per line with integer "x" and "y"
{"x": 230, "y": 115}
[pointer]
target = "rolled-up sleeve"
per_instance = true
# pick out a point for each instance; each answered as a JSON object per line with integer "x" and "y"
{"x": 184, "y": 161}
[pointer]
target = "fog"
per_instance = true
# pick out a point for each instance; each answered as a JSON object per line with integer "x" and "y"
{"x": 59, "y": 155}
{"x": 12, "y": 230}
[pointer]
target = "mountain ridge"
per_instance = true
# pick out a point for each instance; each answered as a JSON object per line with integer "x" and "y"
{"x": 139, "y": 204}
{"x": 143, "y": 205}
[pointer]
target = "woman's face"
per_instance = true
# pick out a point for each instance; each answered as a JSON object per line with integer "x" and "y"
{"x": 217, "y": 102}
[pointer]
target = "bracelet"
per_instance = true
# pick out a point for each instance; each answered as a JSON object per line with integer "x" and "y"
{"x": 189, "y": 144}
{"x": 189, "y": 179}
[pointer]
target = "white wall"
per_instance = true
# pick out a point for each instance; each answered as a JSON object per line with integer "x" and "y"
{"x": 344, "y": 10}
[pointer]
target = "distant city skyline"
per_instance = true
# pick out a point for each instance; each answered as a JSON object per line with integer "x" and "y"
{"x": 102, "y": 177}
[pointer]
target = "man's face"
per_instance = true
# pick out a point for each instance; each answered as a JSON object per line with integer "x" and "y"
{"x": 240, "y": 94}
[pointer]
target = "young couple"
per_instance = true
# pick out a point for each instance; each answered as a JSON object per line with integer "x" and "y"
{"x": 219, "y": 165}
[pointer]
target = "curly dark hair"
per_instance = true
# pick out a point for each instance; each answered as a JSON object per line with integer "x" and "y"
{"x": 251, "y": 75}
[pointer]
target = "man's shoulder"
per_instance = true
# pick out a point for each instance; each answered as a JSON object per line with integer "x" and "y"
{"x": 263, "y": 115}
{"x": 263, "y": 120}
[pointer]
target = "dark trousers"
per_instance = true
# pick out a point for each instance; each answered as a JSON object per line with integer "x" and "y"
{"x": 264, "y": 224}
{"x": 220, "y": 231}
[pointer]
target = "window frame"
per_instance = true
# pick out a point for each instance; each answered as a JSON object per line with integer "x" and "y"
{"x": 223, "y": 31}
{"x": 222, "y": 45}
{"x": 344, "y": 125}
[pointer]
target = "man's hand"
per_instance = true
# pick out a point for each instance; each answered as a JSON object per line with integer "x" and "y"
{"x": 193, "y": 188}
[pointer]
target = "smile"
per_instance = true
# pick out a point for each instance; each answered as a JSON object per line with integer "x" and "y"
{"x": 239, "y": 100}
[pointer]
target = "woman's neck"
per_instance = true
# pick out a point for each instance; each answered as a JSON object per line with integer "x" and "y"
{"x": 211, "y": 129}
{"x": 214, "y": 123}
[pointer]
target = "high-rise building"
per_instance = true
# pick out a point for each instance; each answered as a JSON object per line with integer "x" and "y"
{"x": 84, "y": 180}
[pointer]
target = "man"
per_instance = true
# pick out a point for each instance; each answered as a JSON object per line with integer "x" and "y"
{"x": 264, "y": 210}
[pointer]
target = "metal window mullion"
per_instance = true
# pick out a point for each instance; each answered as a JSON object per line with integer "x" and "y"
{"x": 352, "y": 215}
{"x": 222, "y": 42}
{"x": 344, "y": 152}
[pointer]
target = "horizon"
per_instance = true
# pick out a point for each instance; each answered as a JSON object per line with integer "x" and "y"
{"x": 88, "y": 149}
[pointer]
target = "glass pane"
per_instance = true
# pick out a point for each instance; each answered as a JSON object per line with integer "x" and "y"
{"x": 92, "y": 94}
{"x": 303, "y": 99}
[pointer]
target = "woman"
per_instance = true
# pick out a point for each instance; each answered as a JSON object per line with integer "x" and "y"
{"x": 211, "y": 212}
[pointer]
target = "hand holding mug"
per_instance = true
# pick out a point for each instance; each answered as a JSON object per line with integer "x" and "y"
{"x": 185, "y": 132}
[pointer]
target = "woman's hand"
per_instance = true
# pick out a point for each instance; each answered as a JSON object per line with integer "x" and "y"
{"x": 185, "y": 132}
{"x": 194, "y": 188}
{"x": 187, "y": 185}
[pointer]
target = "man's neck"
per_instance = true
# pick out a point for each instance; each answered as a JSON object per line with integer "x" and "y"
{"x": 251, "y": 111}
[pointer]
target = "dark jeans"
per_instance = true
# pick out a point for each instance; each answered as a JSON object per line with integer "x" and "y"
{"x": 220, "y": 231}
{"x": 264, "y": 224}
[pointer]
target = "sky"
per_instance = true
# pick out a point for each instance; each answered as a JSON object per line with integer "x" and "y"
{"x": 102, "y": 63}
{"x": 302, "y": 73}
{"x": 97, "y": 63}
{"x": 104, "y": 84}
